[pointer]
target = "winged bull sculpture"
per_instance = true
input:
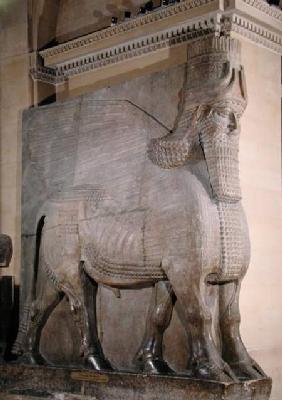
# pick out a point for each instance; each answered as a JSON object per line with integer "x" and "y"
{"x": 188, "y": 232}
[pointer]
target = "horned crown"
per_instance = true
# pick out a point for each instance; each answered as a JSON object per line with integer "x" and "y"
{"x": 208, "y": 60}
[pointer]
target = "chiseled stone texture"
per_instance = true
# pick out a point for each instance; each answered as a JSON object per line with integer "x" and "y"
{"x": 52, "y": 383}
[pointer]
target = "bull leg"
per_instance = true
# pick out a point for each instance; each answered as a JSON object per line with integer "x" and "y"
{"x": 149, "y": 357}
{"x": 233, "y": 349}
{"x": 93, "y": 354}
{"x": 41, "y": 308}
{"x": 190, "y": 288}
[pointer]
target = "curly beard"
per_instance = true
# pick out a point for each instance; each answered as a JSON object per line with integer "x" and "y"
{"x": 221, "y": 150}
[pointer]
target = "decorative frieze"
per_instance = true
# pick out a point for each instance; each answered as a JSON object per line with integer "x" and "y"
{"x": 253, "y": 32}
{"x": 135, "y": 23}
{"x": 138, "y": 47}
{"x": 263, "y": 6}
{"x": 46, "y": 74}
{"x": 251, "y": 19}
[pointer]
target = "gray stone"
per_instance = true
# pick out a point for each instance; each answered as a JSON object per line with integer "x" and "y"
{"x": 132, "y": 204}
{"x": 19, "y": 382}
{"x": 158, "y": 96}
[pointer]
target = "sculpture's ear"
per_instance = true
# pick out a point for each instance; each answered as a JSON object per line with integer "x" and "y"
{"x": 199, "y": 113}
{"x": 224, "y": 82}
{"x": 243, "y": 85}
{"x": 202, "y": 112}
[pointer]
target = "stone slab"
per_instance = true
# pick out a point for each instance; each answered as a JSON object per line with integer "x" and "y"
{"x": 33, "y": 382}
{"x": 121, "y": 321}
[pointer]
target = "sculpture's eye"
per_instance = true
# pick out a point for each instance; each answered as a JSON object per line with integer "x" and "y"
{"x": 233, "y": 122}
{"x": 225, "y": 112}
{"x": 222, "y": 112}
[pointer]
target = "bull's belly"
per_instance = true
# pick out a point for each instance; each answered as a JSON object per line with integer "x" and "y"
{"x": 129, "y": 248}
{"x": 116, "y": 251}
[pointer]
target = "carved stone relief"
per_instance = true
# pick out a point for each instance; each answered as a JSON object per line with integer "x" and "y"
{"x": 72, "y": 123}
{"x": 135, "y": 204}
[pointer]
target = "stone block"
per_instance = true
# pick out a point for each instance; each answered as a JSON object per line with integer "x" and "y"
{"x": 21, "y": 382}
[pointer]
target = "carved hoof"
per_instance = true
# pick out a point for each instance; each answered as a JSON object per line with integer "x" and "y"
{"x": 214, "y": 373}
{"x": 245, "y": 370}
{"x": 98, "y": 363}
{"x": 155, "y": 366}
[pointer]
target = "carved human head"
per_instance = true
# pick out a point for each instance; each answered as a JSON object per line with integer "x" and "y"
{"x": 216, "y": 81}
{"x": 214, "y": 100}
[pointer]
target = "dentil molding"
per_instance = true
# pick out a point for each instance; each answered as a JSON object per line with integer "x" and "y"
{"x": 166, "y": 27}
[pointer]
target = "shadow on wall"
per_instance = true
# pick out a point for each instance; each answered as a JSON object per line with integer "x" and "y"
{"x": 80, "y": 18}
{"x": 9, "y": 311}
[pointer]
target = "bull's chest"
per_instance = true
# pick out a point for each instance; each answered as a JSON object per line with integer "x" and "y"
{"x": 234, "y": 241}
{"x": 117, "y": 246}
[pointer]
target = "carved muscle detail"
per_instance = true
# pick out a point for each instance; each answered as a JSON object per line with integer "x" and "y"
{"x": 97, "y": 264}
{"x": 118, "y": 249}
{"x": 112, "y": 246}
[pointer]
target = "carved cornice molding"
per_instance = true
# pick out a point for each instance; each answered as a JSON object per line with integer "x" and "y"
{"x": 253, "y": 32}
{"x": 263, "y": 6}
{"x": 263, "y": 26}
{"x": 128, "y": 50}
{"x": 138, "y": 47}
{"x": 46, "y": 74}
{"x": 125, "y": 27}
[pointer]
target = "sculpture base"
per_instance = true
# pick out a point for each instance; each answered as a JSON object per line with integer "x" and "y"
{"x": 23, "y": 382}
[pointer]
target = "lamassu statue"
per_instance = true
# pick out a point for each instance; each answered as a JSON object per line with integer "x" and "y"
{"x": 187, "y": 231}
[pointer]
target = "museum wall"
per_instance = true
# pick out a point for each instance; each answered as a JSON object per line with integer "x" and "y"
{"x": 15, "y": 96}
{"x": 260, "y": 168}
{"x": 260, "y": 156}
{"x": 79, "y": 18}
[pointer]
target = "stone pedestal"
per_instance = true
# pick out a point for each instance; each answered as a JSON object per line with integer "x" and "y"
{"x": 21, "y": 382}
